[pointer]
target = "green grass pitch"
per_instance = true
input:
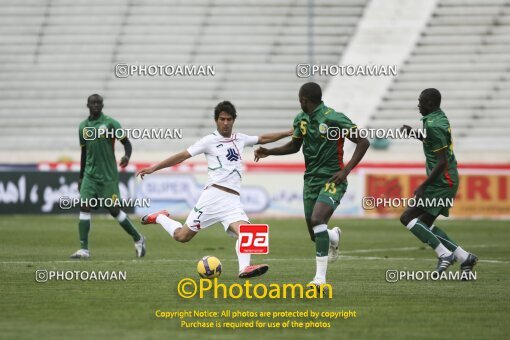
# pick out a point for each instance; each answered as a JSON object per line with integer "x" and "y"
{"x": 126, "y": 309}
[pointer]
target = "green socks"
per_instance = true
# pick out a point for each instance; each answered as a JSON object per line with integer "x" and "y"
{"x": 321, "y": 251}
{"x": 321, "y": 240}
{"x": 126, "y": 224}
{"x": 423, "y": 233}
{"x": 83, "y": 230}
{"x": 444, "y": 238}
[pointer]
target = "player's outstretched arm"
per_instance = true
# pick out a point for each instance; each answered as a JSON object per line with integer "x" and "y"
{"x": 408, "y": 130}
{"x": 362, "y": 145}
{"x": 291, "y": 147}
{"x": 274, "y": 136}
{"x": 169, "y": 162}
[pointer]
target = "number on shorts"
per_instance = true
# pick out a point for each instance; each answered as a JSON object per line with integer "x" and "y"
{"x": 330, "y": 187}
{"x": 196, "y": 222}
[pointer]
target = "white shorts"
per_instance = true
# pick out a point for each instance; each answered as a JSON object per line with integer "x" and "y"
{"x": 215, "y": 205}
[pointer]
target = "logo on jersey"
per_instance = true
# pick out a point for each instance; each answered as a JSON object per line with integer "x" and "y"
{"x": 323, "y": 128}
{"x": 219, "y": 146}
{"x": 101, "y": 131}
{"x": 254, "y": 239}
{"x": 232, "y": 155}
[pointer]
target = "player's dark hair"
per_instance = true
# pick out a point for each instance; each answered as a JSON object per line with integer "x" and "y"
{"x": 311, "y": 91}
{"x": 94, "y": 95}
{"x": 225, "y": 106}
{"x": 433, "y": 96}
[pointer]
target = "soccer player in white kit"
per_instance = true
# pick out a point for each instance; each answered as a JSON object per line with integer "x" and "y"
{"x": 220, "y": 201}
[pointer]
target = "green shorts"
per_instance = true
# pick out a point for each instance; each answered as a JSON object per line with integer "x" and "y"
{"x": 94, "y": 189}
{"x": 320, "y": 190}
{"x": 437, "y": 200}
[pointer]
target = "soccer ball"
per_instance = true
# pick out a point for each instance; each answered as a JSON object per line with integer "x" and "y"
{"x": 209, "y": 267}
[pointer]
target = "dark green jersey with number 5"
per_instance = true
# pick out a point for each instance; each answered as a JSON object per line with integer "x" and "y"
{"x": 323, "y": 141}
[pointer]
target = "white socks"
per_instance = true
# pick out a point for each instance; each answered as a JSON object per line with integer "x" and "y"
{"x": 411, "y": 224}
{"x": 321, "y": 261}
{"x": 84, "y": 216}
{"x": 460, "y": 254}
{"x": 442, "y": 251}
{"x": 322, "y": 267}
{"x": 244, "y": 259}
{"x": 169, "y": 224}
{"x": 121, "y": 216}
{"x": 320, "y": 228}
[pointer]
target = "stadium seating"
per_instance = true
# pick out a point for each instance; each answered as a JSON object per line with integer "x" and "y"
{"x": 464, "y": 53}
{"x": 54, "y": 54}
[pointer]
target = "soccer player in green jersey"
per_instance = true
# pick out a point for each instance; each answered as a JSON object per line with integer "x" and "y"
{"x": 99, "y": 177}
{"x": 317, "y": 128}
{"x": 439, "y": 187}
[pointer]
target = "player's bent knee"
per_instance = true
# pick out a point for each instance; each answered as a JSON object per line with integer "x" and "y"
{"x": 404, "y": 219}
{"x": 182, "y": 237}
{"x": 114, "y": 212}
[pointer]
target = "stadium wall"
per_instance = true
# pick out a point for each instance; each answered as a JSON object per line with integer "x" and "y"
{"x": 269, "y": 190}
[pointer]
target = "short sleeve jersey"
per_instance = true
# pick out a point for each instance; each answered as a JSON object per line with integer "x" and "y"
{"x": 438, "y": 137}
{"x": 98, "y": 136}
{"x": 323, "y": 155}
{"x": 224, "y": 157}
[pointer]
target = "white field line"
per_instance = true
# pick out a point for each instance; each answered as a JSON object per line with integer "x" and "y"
{"x": 345, "y": 257}
{"x": 341, "y": 257}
